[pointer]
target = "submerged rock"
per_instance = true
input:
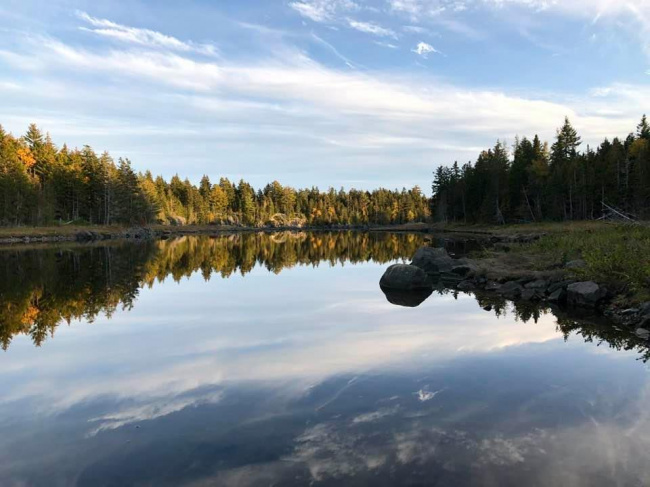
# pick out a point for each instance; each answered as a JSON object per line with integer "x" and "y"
{"x": 404, "y": 277}
{"x": 586, "y": 293}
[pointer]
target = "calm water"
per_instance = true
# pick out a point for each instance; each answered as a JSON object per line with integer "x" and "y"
{"x": 277, "y": 360}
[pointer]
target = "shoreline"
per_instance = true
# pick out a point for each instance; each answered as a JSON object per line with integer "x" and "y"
{"x": 93, "y": 233}
{"x": 586, "y": 266}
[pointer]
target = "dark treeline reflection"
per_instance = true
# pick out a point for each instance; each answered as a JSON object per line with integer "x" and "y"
{"x": 43, "y": 287}
{"x": 587, "y": 324}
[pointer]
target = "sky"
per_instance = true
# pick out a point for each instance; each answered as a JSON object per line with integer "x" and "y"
{"x": 353, "y": 93}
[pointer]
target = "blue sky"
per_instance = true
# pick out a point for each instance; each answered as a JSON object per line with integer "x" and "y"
{"x": 320, "y": 92}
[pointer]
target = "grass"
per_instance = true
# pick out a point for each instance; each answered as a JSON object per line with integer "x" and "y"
{"x": 615, "y": 255}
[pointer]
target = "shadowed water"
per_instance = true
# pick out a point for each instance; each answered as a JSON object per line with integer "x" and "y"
{"x": 276, "y": 360}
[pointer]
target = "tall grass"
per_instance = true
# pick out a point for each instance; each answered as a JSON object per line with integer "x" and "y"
{"x": 617, "y": 255}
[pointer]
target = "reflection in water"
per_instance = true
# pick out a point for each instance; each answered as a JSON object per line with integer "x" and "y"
{"x": 304, "y": 377}
{"x": 42, "y": 287}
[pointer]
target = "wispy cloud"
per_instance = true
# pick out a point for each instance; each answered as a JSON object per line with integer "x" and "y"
{"x": 143, "y": 37}
{"x": 371, "y": 28}
{"x": 323, "y": 10}
{"x": 387, "y": 44}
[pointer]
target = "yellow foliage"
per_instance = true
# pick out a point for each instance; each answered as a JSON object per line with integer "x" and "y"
{"x": 26, "y": 157}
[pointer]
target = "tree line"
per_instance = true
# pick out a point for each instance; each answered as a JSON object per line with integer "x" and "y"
{"x": 537, "y": 181}
{"x": 41, "y": 184}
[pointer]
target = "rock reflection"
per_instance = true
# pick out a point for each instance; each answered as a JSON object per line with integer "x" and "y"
{"x": 583, "y": 322}
{"x": 40, "y": 288}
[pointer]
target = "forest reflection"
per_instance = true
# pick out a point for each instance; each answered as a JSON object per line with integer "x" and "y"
{"x": 43, "y": 287}
{"x": 592, "y": 327}
{"x": 46, "y": 286}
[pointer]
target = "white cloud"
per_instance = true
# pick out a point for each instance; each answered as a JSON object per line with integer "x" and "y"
{"x": 143, "y": 37}
{"x": 354, "y": 109}
{"x": 370, "y": 28}
{"x": 323, "y": 10}
{"x": 424, "y": 49}
{"x": 632, "y": 16}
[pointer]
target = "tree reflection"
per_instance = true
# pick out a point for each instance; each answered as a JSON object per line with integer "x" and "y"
{"x": 590, "y": 326}
{"x": 44, "y": 287}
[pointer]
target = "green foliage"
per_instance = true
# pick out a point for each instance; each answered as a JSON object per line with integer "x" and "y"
{"x": 539, "y": 183}
{"x": 618, "y": 255}
{"x": 40, "y": 184}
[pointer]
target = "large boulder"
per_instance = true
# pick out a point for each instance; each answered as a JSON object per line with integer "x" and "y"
{"x": 433, "y": 260}
{"x": 586, "y": 293}
{"x": 404, "y": 277}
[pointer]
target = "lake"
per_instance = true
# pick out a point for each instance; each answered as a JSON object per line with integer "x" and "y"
{"x": 276, "y": 359}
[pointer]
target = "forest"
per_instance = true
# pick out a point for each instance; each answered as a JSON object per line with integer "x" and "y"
{"x": 538, "y": 182}
{"x": 41, "y": 184}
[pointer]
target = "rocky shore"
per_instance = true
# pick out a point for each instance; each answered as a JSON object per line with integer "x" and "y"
{"x": 21, "y": 235}
{"x": 140, "y": 233}
{"x": 433, "y": 268}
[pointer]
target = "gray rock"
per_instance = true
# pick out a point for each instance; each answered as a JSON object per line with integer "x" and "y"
{"x": 466, "y": 286}
{"x": 404, "y": 277}
{"x": 558, "y": 296}
{"x": 511, "y": 290}
{"x": 642, "y": 333}
{"x": 450, "y": 277}
{"x": 538, "y": 285}
{"x": 558, "y": 285}
{"x": 644, "y": 309}
{"x": 629, "y": 311}
{"x": 576, "y": 264}
{"x": 586, "y": 293}
{"x": 529, "y": 295}
{"x": 433, "y": 260}
{"x": 464, "y": 267}
{"x": 142, "y": 233}
{"x": 87, "y": 236}
{"x": 492, "y": 286}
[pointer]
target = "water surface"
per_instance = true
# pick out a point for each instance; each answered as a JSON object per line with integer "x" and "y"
{"x": 276, "y": 360}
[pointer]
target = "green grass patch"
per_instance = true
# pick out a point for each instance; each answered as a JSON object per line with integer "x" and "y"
{"x": 616, "y": 255}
